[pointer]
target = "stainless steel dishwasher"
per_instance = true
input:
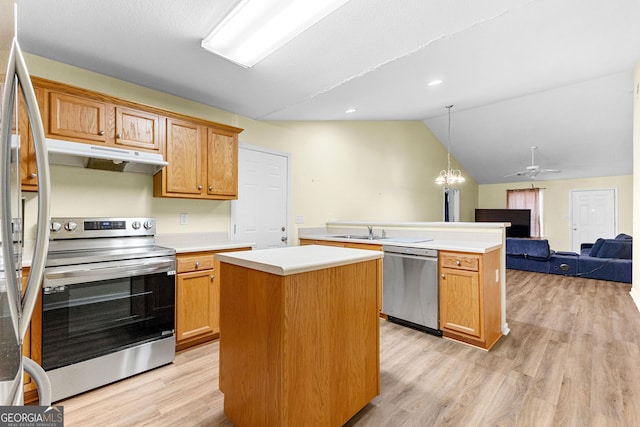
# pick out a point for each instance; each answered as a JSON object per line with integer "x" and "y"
{"x": 410, "y": 287}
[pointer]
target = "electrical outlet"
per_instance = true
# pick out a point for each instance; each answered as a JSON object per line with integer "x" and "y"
{"x": 299, "y": 219}
{"x": 184, "y": 218}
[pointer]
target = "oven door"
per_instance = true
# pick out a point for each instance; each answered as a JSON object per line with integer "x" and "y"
{"x": 91, "y": 310}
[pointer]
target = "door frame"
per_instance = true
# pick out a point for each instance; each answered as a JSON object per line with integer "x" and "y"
{"x": 234, "y": 203}
{"x": 571, "y": 210}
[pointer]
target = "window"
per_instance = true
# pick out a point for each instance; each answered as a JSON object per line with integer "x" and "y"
{"x": 528, "y": 198}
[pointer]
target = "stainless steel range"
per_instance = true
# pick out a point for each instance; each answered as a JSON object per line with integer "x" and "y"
{"x": 108, "y": 303}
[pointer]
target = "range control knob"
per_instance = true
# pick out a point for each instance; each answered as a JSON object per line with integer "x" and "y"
{"x": 148, "y": 224}
{"x": 136, "y": 225}
{"x": 55, "y": 226}
{"x": 70, "y": 226}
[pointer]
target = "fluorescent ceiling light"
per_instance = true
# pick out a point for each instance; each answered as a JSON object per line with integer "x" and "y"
{"x": 256, "y": 28}
{"x": 350, "y": 110}
{"x": 435, "y": 82}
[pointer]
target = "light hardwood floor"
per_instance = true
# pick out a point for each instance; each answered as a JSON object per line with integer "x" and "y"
{"x": 572, "y": 359}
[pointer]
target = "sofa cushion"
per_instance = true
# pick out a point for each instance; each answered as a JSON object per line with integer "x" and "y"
{"x": 596, "y": 247}
{"x": 612, "y": 248}
{"x": 529, "y": 248}
{"x": 623, "y": 236}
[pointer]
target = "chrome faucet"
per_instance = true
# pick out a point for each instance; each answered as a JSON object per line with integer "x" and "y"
{"x": 370, "y": 232}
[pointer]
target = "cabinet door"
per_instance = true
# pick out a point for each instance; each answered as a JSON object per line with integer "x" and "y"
{"x": 184, "y": 154}
{"x": 194, "y": 304}
{"x": 28, "y": 165}
{"x": 77, "y": 118}
{"x": 460, "y": 302}
{"x": 137, "y": 129}
{"x": 32, "y": 344}
{"x": 222, "y": 163}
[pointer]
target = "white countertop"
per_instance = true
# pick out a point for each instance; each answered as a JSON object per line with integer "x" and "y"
{"x": 442, "y": 224}
{"x": 199, "y": 242}
{"x": 297, "y": 259}
{"x": 439, "y": 244}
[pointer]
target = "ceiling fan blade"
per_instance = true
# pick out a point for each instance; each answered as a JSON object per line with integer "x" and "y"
{"x": 551, "y": 170}
{"x": 516, "y": 174}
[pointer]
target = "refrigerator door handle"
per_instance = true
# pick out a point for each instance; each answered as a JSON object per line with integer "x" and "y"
{"x": 8, "y": 254}
{"x": 44, "y": 190}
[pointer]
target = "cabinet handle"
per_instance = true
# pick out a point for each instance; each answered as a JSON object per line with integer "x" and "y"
{"x": 197, "y": 264}
{"x": 457, "y": 262}
{"x": 442, "y": 275}
{"x": 212, "y": 277}
{"x": 199, "y": 187}
{"x": 101, "y": 132}
{"x": 119, "y": 135}
{"x": 33, "y": 175}
{"x": 210, "y": 187}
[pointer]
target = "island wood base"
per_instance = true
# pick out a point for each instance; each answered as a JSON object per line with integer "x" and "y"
{"x": 300, "y": 349}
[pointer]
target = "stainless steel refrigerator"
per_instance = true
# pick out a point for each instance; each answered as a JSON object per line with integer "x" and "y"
{"x": 16, "y": 305}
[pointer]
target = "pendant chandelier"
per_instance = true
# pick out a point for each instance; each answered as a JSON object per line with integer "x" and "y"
{"x": 449, "y": 176}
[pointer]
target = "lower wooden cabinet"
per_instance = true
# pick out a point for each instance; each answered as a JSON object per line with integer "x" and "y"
{"x": 32, "y": 345}
{"x": 469, "y": 297}
{"x": 197, "y": 298}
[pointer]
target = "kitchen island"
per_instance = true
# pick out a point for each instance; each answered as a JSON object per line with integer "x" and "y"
{"x": 299, "y": 335}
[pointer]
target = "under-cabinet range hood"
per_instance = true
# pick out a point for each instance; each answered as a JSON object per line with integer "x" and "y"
{"x": 104, "y": 158}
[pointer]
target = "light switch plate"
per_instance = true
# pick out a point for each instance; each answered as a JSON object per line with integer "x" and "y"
{"x": 184, "y": 218}
{"x": 299, "y": 219}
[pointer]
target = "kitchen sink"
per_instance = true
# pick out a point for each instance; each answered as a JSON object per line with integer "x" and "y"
{"x": 354, "y": 236}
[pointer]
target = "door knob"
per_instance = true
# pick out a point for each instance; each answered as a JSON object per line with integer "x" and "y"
{"x": 283, "y": 238}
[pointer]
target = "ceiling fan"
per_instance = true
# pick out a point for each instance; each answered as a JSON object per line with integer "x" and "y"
{"x": 533, "y": 170}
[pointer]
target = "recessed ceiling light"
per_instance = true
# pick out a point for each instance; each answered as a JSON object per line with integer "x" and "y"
{"x": 350, "y": 110}
{"x": 435, "y": 82}
{"x": 256, "y": 28}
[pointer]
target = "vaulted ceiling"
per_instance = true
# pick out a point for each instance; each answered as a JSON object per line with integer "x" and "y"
{"x": 556, "y": 74}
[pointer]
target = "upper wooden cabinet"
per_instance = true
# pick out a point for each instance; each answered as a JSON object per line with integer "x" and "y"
{"x": 203, "y": 162}
{"x": 28, "y": 166}
{"x": 184, "y": 154}
{"x": 202, "y": 155}
{"x": 77, "y": 118}
{"x": 82, "y": 119}
{"x": 138, "y": 129}
{"x": 222, "y": 163}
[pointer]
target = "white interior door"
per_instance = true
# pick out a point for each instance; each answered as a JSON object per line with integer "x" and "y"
{"x": 593, "y": 215}
{"x": 261, "y": 213}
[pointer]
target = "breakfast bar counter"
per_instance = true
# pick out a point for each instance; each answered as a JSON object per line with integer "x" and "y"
{"x": 299, "y": 335}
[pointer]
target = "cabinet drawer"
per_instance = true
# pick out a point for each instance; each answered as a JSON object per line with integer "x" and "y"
{"x": 461, "y": 262}
{"x": 187, "y": 263}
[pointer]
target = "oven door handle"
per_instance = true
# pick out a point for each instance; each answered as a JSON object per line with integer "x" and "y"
{"x": 97, "y": 273}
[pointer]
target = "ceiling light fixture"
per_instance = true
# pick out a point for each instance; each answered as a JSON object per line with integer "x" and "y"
{"x": 256, "y": 28}
{"x": 435, "y": 82}
{"x": 449, "y": 176}
{"x": 350, "y": 110}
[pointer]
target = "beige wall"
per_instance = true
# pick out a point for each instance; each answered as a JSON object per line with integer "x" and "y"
{"x": 341, "y": 170}
{"x": 557, "y": 203}
{"x": 635, "y": 290}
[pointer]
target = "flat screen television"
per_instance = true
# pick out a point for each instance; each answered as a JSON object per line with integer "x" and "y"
{"x": 520, "y": 220}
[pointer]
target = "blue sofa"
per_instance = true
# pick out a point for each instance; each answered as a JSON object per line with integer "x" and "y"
{"x": 606, "y": 259}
